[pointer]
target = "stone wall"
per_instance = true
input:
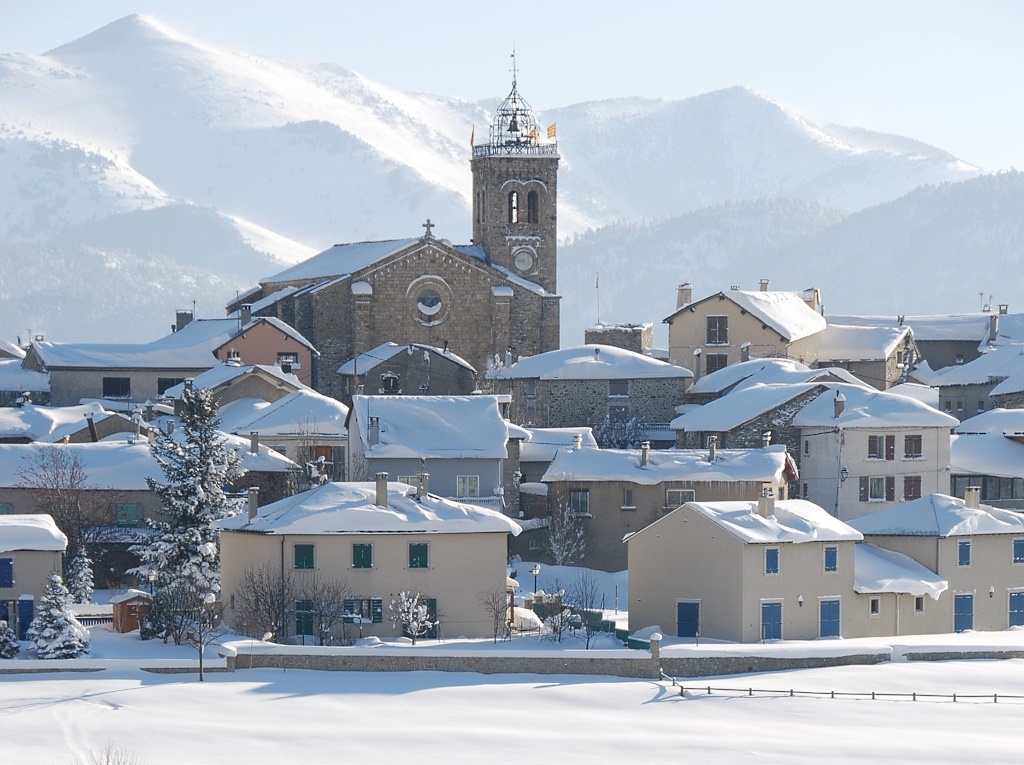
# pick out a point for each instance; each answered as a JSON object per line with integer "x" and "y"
{"x": 731, "y": 664}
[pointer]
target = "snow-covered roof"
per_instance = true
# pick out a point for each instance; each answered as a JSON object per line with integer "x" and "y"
{"x": 30, "y": 532}
{"x": 963, "y": 326}
{"x": 995, "y": 421}
{"x": 304, "y": 412}
{"x": 348, "y": 508}
{"x": 986, "y": 454}
{"x": 589, "y": 362}
{"x": 1009, "y": 330}
{"x": 387, "y": 351}
{"x": 738, "y": 407}
{"x": 785, "y": 312}
{"x": 283, "y": 327}
{"x": 939, "y": 515}
{"x": 847, "y": 342}
{"x": 46, "y": 423}
{"x": 544, "y": 442}
{"x": 870, "y": 408}
{"x": 14, "y": 377}
{"x": 7, "y": 348}
{"x": 113, "y": 464}
{"x": 876, "y": 570}
{"x": 998, "y": 363}
{"x": 766, "y": 372}
{"x": 228, "y": 371}
{"x": 923, "y": 393}
{"x": 794, "y": 521}
{"x": 264, "y": 302}
{"x": 341, "y": 259}
{"x": 768, "y": 464}
{"x": 439, "y": 427}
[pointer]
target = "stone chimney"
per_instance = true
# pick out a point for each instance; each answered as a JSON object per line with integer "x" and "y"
{"x": 422, "y": 485}
{"x": 254, "y": 502}
{"x": 382, "y": 490}
{"x": 712, "y": 448}
{"x": 373, "y": 435}
{"x": 972, "y": 496}
{"x": 764, "y": 285}
{"x": 838, "y": 405}
{"x": 645, "y": 453}
{"x": 766, "y": 503}
{"x": 245, "y": 313}
{"x": 684, "y": 294}
{"x": 766, "y": 439}
{"x": 181, "y": 318}
{"x": 254, "y": 442}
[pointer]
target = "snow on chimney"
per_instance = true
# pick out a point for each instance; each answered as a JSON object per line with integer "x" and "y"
{"x": 972, "y": 496}
{"x": 645, "y": 453}
{"x": 254, "y": 502}
{"x": 838, "y": 405}
{"x": 422, "y": 485}
{"x": 696, "y": 364}
{"x": 766, "y": 439}
{"x": 993, "y": 327}
{"x": 766, "y": 503}
{"x": 577, "y": 441}
{"x": 382, "y": 490}
{"x": 254, "y": 442}
{"x": 764, "y": 285}
{"x": 684, "y": 294}
{"x": 745, "y": 351}
{"x": 712, "y": 448}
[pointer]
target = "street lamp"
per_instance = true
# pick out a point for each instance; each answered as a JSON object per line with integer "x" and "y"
{"x": 151, "y": 578}
{"x": 844, "y": 474}
{"x": 535, "y": 571}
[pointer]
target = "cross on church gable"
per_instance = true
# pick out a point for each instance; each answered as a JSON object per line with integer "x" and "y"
{"x": 428, "y": 225}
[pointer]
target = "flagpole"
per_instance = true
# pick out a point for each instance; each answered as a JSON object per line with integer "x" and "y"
{"x": 597, "y": 286}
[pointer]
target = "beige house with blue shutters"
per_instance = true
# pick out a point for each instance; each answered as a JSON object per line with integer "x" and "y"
{"x": 377, "y": 539}
{"x": 31, "y": 549}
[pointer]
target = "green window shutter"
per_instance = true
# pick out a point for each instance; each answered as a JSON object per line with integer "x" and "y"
{"x": 418, "y": 556}
{"x": 362, "y": 555}
{"x": 304, "y": 556}
{"x": 303, "y": 617}
{"x": 377, "y": 610}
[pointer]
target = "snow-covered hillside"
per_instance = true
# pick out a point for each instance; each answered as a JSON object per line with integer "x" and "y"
{"x": 145, "y": 170}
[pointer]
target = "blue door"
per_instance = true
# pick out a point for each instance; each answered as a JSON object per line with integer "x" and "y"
{"x": 1016, "y": 608}
{"x": 828, "y": 622}
{"x": 771, "y": 621}
{"x": 687, "y": 619}
{"x": 963, "y": 612}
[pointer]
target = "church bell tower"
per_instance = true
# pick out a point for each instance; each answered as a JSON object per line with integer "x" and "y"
{"x": 515, "y": 193}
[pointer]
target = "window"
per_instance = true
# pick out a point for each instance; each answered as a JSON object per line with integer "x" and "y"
{"x": 163, "y": 383}
{"x": 579, "y": 501}
{"x": 303, "y": 617}
{"x": 828, "y": 618}
{"x": 831, "y": 558}
{"x": 771, "y": 621}
{"x": 718, "y": 330}
{"x": 963, "y": 612}
{"x": 919, "y": 604}
{"x": 911, "y": 487}
{"x": 807, "y": 446}
{"x": 530, "y": 388}
{"x": 467, "y": 486}
{"x": 771, "y": 560}
{"x": 288, "y": 361}
{"x": 533, "y": 544}
{"x": 117, "y": 387}
{"x": 715, "y": 361}
{"x": 881, "y": 447}
{"x": 418, "y": 555}
{"x": 531, "y": 208}
{"x": 6, "y": 572}
{"x": 806, "y": 491}
{"x": 676, "y": 497}
{"x": 963, "y": 552}
{"x": 912, "y": 447}
{"x": 1016, "y": 606}
{"x": 368, "y": 609}
{"x": 1018, "y": 547}
{"x": 874, "y": 607}
{"x": 877, "y": 488}
{"x": 362, "y": 555}
{"x": 304, "y": 556}
{"x": 627, "y": 500}
{"x": 410, "y": 480}
{"x": 390, "y": 383}
{"x": 127, "y": 514}
{"x": 618, "y": 387}
{"x": 513, "y": 207}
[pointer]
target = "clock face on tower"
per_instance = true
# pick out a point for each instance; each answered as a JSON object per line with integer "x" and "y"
{"x": 523, "y": 259}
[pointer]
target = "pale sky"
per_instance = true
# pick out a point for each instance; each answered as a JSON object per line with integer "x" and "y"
{"x": 946, "y": 73}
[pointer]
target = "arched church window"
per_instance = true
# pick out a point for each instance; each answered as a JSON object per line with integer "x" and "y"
{"x": 531, "y": 207}
{"x": 513, "y": 207}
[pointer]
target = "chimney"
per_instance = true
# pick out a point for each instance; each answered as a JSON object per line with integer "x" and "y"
{"x": 382, "y": 490}
{"x": 577, "y": 441}
{"x": 993, "y": 327}
{"x": 254, "y": 442}
{"x": 374, "y": 431}
{"x": 170, "y": 427}
{"x": 508, "y": 357}
{"x": 1004, "y": 308}
{"x": 766, "y": 503}
{"x": 188, "y": 384}
{"x": 684, "y": 294}
{"x": 766, "y": 439}
{"x": 150, "y": 411}
{"x": 92, "y": 428}
{"x": 745, "y": 352}
{"x": 245, "y": 313}
{"x": 181, "y": 318}
{"x": 764, "y": 285}
{"x": 423, "y": 485}
{"x": 696, "y": 364}
{"x": 838, "y": 405}
{"x": 597, "y": 354}
{"x": 712, "y": 448}
{"x": 254, "y": 502}
{"x": 972, "y": 496}
{"x": 645, "y": 452}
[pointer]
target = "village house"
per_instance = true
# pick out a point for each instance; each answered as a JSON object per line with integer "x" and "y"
{"x": 411, "y": 370}
{"x": 31, "y": 549}
{"x": 735, "y": 325}
{"x": 232, "y": 381}
{"x": 619, "y": 491}
{"x": 589, "y": 385}
{"x": 878, "y": 356}
{"x": 73, "y": 424}
{"x": 638, "y": 338}
{"x": 18, "y": 384}
{"x": 861, "y": 449}
{"x": 987, "y": 451}
{"x": 995, "y": 378}
{"x": 977, "y": 549}
{"x": 745, "y": 374}
{"x": 375, "y": 540}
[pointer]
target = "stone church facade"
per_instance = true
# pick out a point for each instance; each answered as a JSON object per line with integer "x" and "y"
{"x": 494, "y": 296}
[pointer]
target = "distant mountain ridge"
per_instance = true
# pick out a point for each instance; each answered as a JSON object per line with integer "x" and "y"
{"x": 161, "y": 170}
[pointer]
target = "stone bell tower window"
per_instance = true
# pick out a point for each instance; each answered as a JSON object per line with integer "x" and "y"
{"x": 531, "y": 207}
{"x": 513, "y": 207}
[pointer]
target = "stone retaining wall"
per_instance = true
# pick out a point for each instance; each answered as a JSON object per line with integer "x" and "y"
{"x": 707, "y": 666}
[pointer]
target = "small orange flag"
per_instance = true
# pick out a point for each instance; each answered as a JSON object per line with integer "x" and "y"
{"x": 551, "y": 130}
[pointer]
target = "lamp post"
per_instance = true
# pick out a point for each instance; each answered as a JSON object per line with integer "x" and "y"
{"x": 151, "y": 578}
{"x": 535, "y": 571}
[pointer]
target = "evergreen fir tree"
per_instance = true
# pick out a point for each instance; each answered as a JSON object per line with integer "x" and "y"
{"x": 55, "y": 633}
{"x": 196, "y": 465}
{"x": 80, "y": 581}
{"x": 8, "y": 642}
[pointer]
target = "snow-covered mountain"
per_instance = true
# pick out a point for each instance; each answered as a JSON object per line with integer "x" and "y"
{"x": 144, "y": 170}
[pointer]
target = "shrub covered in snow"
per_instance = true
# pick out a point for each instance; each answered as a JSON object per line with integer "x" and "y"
{"x": 8, "y": 642}
{"x": 55, "y": 633}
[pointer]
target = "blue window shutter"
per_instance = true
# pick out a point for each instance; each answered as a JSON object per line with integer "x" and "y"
{"x": 6, "y": 572}
{"x": 26, "y": 612}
